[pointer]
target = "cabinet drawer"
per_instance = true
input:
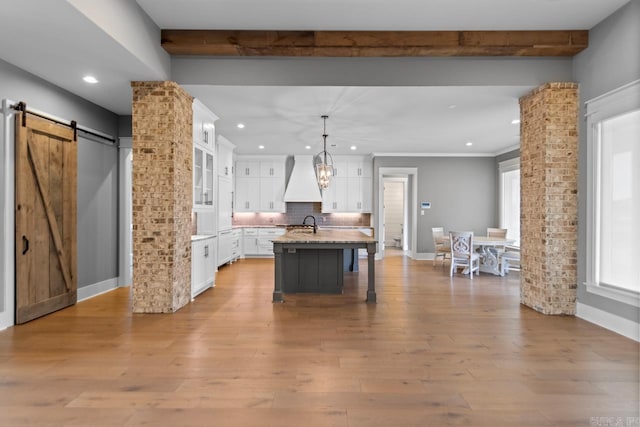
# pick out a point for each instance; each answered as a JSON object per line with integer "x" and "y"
{"x": 250, "y": 231}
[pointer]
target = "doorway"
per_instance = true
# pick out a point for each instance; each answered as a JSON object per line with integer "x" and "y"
{"x": 395, "y": 213}
{"x": 408, "y": 235}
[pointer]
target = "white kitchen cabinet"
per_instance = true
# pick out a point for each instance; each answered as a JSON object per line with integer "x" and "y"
{"x": 204, "y": 164}
{"x": 229, "y": 246}
{"x": 249, "y": 241}
{"x": 247, "y": 194}
{"x": 265, "y": 237}
{"x": 236, "y": 246}
{"x": 359, "y": 194}
{"x": 272, "y": 169}
{"x": 204, "y": 129}
{"x": 225, "y": 157}
{"x": 334, "y": 198}
{"x": 225, "y": 203}
{"x": 203, "y": 264}
{"x": 350, "y": 189}
{"x": 272, "y": 195}
{"x": 257, "y": 242}
{"x": 260, "y": 184}
{"x": 248, "y": 168}
{"x": 203, "y": 178}
{"x": 225, "y": 247}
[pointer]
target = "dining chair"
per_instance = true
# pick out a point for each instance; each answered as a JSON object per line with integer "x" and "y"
{"x": 509, "y": 260}
{"x": 441, "y": 245}
{"x": 462, "y": 253}
{"x": 497, "y": 232}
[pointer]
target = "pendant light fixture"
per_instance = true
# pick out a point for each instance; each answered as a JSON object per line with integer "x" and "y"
{"x": 323, "y": 161}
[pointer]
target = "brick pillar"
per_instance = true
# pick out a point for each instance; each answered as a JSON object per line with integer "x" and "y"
{"x": 548, "y": 198}
{"x": 162, "y": 196}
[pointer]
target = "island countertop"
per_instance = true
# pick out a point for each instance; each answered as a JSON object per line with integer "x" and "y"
{"x": 324, "y": 236}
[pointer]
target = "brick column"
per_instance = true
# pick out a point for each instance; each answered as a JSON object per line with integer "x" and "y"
{"x": 549, "y": 203}
{"x": 162, "y": 196}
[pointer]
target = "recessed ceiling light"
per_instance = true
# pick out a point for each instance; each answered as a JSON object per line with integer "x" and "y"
{"x": 469, "y": 144}
{"x": 261, "y": 147}
{"x": 515, "y": 121}
{"x": 308, "y": 147}
{"x": 353, "y": 147}
{"x": 240, "y": 125}
{"x": 90, "y": 79}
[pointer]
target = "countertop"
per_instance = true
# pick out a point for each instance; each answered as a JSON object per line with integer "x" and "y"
{"x": 195, "y": 237}
{"x": 325, "y": 236}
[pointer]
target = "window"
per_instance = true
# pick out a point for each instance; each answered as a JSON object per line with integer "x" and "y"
{"x": 510, "y": 198}
{"x": 613, "y": 233}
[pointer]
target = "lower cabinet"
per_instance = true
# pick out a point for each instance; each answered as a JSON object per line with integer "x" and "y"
{"x": 236, "y": 247}
{"x": 312, "y": 270}
{"x": 257, "y": 242}
{"x": 228, "y": 246}
{"x": 249, "y": 241}
{"x": 203, "y": 264}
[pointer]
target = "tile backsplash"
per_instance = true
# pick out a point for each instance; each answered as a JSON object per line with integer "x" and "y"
{"x": 296, "y": 211}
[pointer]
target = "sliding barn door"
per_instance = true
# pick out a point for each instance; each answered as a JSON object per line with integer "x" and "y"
{"x": 46, "y": 165}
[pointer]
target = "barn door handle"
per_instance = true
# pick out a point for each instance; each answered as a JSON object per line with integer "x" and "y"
{"x": 25, "y": 245}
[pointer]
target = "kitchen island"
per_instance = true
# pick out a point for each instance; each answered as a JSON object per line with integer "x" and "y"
{"x": 313, "y": 262}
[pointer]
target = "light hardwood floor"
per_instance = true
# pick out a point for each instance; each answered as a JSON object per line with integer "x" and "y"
{"x": 434, "y": 351}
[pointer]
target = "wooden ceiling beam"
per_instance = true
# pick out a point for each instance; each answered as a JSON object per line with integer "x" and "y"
{"x": 374, "y": 43}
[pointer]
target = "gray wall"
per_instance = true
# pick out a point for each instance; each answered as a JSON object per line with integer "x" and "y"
{"x": 370, "y": 71}
{"x": 612, "y": 60}
{"x": 97, "y": 212}
{"x": 97, "y": 169}
{"x": 460, "y": 189}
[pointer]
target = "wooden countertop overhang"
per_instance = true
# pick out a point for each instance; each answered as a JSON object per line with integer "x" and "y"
{"x": 332, "y": 236}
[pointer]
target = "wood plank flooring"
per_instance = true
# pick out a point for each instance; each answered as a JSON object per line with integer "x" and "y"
{"x": 434, "y": 351}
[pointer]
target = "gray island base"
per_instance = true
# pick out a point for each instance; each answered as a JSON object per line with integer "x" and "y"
{"x": 314, "y": 262}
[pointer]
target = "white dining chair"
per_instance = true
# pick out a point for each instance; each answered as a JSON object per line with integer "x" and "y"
{"x": 509, "y": 260}
{"x": 497, "y": 232}
{"x": 442, "y": 249}
{"x": 462, "y": 253}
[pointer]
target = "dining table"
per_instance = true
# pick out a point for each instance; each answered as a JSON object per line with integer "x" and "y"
{"x": 487, "y": 247}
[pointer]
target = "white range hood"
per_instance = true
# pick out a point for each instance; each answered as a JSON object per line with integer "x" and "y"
{"x": 303, "y": 186}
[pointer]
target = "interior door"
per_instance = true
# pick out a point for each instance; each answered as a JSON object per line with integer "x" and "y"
{"x": 46, "y": 193}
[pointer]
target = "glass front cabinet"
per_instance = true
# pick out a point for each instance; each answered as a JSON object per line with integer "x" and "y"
{"x": 204, "y": 170}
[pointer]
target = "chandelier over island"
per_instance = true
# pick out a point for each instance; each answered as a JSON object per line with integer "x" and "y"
{"x": 323, "y": 161}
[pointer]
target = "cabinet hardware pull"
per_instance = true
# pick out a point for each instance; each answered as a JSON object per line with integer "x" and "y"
{"x": 25, "y": 245}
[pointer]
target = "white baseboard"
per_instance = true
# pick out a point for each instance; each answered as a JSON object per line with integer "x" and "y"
{"x": 424, "y": 256}
{"x": 91, "y": 291}
{"x": 619, "y": 325}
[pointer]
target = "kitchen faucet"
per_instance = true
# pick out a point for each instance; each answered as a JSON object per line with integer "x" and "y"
{"x": 304, "y": 222}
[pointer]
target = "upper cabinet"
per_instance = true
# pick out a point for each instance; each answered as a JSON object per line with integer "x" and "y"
{"x": 225, "y": 157}
{"x": 225, "y": 183}
{"x": 204, "y": 163}
{"x": 350, "y": 189}
{"x": 204, "y": 128}
{"x": 260, "y": 184}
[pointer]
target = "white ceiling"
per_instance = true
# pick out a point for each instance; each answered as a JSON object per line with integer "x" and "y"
{"x": 434, "y": 120}
{"x": 389, "y": 15}
{"x": 61, "y": 40}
